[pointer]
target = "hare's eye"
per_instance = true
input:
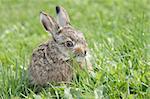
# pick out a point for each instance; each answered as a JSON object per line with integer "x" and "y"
{"x": 69, "y": 44}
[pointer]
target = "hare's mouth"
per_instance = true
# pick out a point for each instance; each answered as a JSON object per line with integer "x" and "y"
{"x": 80, "y": 59}
{"x": 77, "y": 58}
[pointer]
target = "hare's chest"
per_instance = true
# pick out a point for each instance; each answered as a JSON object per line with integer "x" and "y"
{"x": 59, "y": 66}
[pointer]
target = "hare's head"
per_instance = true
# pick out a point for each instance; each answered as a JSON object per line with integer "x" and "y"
{"x": 68, "y": 40}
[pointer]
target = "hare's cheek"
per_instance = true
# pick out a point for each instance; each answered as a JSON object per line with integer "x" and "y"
{"x": 63, "y": 50}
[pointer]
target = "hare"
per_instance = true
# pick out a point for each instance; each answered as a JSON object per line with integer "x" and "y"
{"x": 52, "y": 61}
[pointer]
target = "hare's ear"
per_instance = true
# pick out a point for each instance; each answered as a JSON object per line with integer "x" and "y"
{"x": 62, "y": 16}
{"x": 49, "y": 23}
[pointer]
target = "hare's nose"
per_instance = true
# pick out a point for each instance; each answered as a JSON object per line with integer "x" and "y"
{"x": 80, "y": 51}
{"x": 85, "y": 52}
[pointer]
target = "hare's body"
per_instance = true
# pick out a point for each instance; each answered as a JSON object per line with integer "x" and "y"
{"x": 52, "y": 61}
{"x": 47, "y": 65}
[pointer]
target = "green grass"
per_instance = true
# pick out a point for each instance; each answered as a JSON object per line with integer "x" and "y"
{"x": 118, "y": 34}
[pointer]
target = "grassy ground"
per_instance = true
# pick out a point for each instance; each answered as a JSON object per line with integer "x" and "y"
{"x": 118, "y": 34}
